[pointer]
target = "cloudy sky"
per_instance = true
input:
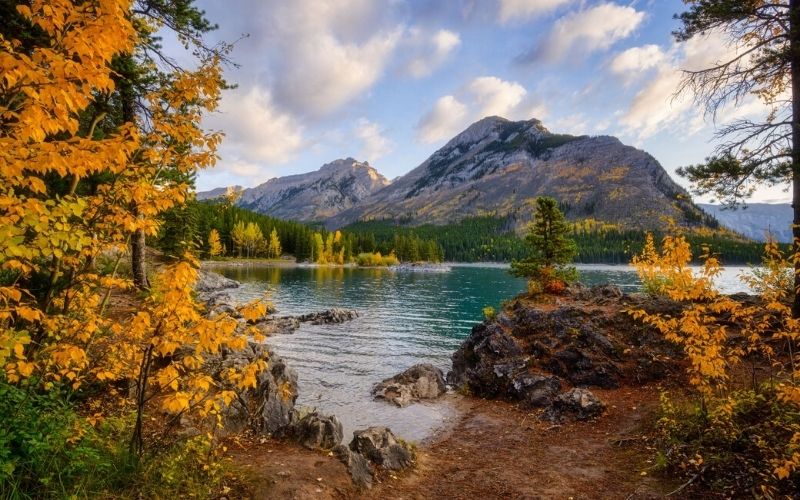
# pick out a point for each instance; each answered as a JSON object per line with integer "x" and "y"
{"x": 390, "y": 81}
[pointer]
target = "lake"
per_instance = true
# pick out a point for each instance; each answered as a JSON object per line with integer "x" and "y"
{"x": 406, "y": 318}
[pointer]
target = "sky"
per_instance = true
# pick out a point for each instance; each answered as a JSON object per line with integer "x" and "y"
{"x": 391, "y": 81}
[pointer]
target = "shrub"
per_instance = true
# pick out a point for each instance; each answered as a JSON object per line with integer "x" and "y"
{"x": 376, "y": 259}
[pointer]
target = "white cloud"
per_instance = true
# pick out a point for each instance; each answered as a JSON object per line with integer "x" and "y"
{"x": 586, "y": 31}
{"x": 633, "y": 63}
{"x": 443, "y": 121}
{"x": 256, "y": 132}
{"x": 324, "y": 54}
{"x": 481, "y": 97}
{"x": 430, "y": 50}
{"x": 522, "y": 10}
{"x": 657, "y": 107}
{"x": 374, "y": 144}
{"x": 495, "y": 96}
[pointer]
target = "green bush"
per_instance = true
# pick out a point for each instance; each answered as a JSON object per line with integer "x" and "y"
{"x": 48, "y": 450}
{"x": 734, "y": 445}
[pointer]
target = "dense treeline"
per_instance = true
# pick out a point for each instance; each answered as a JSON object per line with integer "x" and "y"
{"x": 475, "y": 239}
{"x": 491, "y": 239}
{"x": 192, "y": 224}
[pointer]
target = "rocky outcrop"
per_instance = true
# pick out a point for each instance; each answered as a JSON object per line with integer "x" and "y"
{"x": 421, "y": 381}
{"x": 357, "y": 465}
{"x": 318, "y": 432}
{"x": 208, "y": 281}
{"x": 576, "y": 404}
{"x": 334, "y": 315}
{"x": 268, "y": 407}
{"x": 531, "y": 352}
{"x": 381, "y": 447}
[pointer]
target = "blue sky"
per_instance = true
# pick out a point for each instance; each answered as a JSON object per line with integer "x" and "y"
{"x": 390, "y": 81}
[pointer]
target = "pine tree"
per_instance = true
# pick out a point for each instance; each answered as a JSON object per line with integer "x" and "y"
{"x": 550, "y": 246}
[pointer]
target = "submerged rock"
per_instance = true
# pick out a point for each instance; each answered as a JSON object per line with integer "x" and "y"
{"x": 577, "y": 404}
{"x": 421, "y": 381}
{"x": 381, "y": 447}
{"x": 334, "y": 315}
{"x": 316, "y": 431}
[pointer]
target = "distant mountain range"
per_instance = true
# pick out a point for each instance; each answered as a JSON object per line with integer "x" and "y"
{"x": 756, "y": 220}
{"x": 312, "y": 197}
{"x": 495, "y": 167}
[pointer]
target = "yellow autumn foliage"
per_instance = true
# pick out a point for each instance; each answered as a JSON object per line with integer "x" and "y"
{"x": 716, "y": 332}
{"x": 56, "y": 323}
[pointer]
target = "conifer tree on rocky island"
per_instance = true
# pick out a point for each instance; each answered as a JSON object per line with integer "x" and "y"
{"x": 551, "y": 249}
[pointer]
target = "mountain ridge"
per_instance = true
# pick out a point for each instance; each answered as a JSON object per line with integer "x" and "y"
{"x": 493, "y": 167}
{"x": 313, "y": 196}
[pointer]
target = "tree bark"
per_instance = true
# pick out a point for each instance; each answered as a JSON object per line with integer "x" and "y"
{"x": 138, "y": 242}
{"x": 794, "y": 48}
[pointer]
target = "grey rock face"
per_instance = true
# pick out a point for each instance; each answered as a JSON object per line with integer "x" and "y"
{"x": 535, "y": 390}
{"x": 208, "y": 281}
{"x": 316, "y": 431}
{"x": 497, "y": 165}
{"x": 576, "y": 404}
{"x": 315, "y": 196}
{"x": 269, "y": 407}
{"x": 421, "y": 381}
{"x": 380, "y": 447}
{"x": 356, "y": 464}
{"x": 756, "y": 220}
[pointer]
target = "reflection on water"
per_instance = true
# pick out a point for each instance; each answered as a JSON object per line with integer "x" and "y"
{"x": 406, "y": 318}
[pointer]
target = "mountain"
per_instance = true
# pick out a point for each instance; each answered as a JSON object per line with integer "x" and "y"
{"x": 314, "y": 196}
{"x": 755, "y": 220}
{"x": 496, "y": 166}
{"x": 216, "y": 193}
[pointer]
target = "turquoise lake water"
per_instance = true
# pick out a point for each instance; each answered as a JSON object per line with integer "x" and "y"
{"x": 406, "y": 318}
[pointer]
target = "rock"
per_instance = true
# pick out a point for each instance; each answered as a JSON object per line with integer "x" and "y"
{"x": 535, "y": 390}
{"x": 208, "y": 281}
{"x": 421, "y": 381}
{"x": 268, "y": 407}
{"x": 474, "y": 362}
{"x": 315, "y": 431}
{"x": 576, "y": 404}
{"x": 281, "y": 325}
{"x": 334, "y": 315}
{"x": 380, "y": 447}
{"x": 356, "y": 464}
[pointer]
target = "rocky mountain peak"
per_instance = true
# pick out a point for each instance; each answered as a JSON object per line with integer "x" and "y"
{"x": 496, "y": 166}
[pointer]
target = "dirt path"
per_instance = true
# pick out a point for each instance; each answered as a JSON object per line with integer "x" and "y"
{"x": 494, "y": 450}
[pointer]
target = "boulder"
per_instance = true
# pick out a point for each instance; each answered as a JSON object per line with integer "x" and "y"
{"x": 279, "y": 325}
{"x": 334, "y": 315}
{"x": 356, "y": 464}
{"x": 267, "y": 408}
{"x": 318, "y": 432}
{"x": 379, "y": 446}
{"x": 535, "y": 390}
{"x": 474, "y": 362}
{"x": 576, "y": 404}
{"x": 208, "y": 281}
{"x": 421, "y": 381}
